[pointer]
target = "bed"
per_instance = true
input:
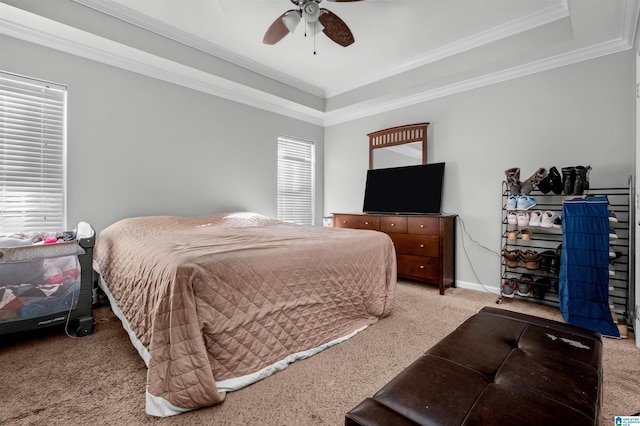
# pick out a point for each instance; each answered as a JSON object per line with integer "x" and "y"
{"x": 216, "y": 303}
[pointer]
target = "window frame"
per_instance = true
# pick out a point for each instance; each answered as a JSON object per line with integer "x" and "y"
{"x": 33, "y": 154}
{"x": 286, "y": 197}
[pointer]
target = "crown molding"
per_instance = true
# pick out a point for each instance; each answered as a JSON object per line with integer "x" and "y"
{"x": 543, "y": 17}
{"x": 145, "y": 22}
{"x": 355, "y": 112}
{"x": 60, "y": 37}
{"x": 38, "y": 30}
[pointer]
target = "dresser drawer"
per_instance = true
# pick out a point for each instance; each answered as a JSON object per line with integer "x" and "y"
{"x": 424, "y": 225}
{"x": 393, "y": 224}
{"x": 419, "y": 267}
{"x": 356, "y": 221}
{"x": 419, "y": 245}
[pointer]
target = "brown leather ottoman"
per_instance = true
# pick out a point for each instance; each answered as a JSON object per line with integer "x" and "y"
{"x": 497, "y": 368}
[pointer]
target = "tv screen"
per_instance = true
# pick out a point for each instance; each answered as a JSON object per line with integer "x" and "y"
{"x": 410, "y": 189}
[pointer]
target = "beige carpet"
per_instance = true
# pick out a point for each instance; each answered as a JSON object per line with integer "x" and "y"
{"x": 100, "y": 379}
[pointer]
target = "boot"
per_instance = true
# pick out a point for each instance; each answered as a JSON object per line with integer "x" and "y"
{"x": 532, "y": 183}
{"x": 568, "y": 179}
{"x": 545, "y": 184}
{"x": 513, "y": 180}
{"x": 556, "y": 181}
{"x": 580, "y": 183}
{"x": 553, "y": 182}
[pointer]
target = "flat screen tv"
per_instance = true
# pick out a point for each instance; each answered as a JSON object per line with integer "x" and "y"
{"x": 404, "y": 190}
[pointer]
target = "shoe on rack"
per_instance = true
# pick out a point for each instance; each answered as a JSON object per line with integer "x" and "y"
{"x": 612, "y": 217}
{"x": 531, "y": 259}
{"x": 581, "y": 182}
{"x": 513, "y": 234}
{"x": 525, "y": 202}
{"x": 533, "y": 181}
{"x": 512, "y": 218}
{"x": 513, "y": 180}
{"x": 547, "y": 219}
{"x": 552, "y": 182}
{"x": 512, "y": 202}
{"x": 545, "y": 259}
{"x": 540, "y": 287}
{"x": 523, "y": 218}
{"x": 512, "y": 257}
{"x": 525, "y": 234}
{"x": 568, "y": 179}
{"x": 612, "y": 234}
{"x": 535, "y": 218}
{"x": 509, "y": 288}
{"x": 524, "y": 285}
{"x": 557, "y": 222}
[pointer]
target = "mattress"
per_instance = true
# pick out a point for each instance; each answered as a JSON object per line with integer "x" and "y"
{"x": 215, "y": 303}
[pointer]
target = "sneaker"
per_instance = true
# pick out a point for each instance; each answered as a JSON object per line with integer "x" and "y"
{"x": 524, "y": 285}
{"x": 512, "y": 218}
{"x": 531, "y": 259}
{"x": 612, "y": 217}
{"x": 547, "y": 219}
{"x": 512, "y": 257}
{"x": 512, "y": 202}
{"x": 535, "y": 218}
{"x": 525, "y": 202}
{"x": 612, "y": 234}
{"x": 523, "y": 218}
{"x": 509, "y": 288}
{"x": 557, "y": 222}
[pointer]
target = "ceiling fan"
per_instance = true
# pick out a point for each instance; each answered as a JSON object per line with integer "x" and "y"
{"x": 317, "y": 19}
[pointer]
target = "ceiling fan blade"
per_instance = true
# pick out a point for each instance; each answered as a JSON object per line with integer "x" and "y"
{"x": 276, "y": 31}
{"x": 335, "y": 28}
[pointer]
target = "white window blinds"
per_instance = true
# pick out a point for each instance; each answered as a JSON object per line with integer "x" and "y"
{"x": 32, "y": 155}
{"x": 295, "y": 181}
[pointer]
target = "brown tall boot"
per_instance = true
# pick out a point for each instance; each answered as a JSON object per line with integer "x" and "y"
{"x": 513, "y": 180}
{"x": 532, "y": 183}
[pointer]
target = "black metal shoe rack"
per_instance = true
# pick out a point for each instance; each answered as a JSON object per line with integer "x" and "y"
{"x": 621, "y": 295}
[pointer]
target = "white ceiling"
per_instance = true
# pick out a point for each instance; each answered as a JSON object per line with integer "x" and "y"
{"x": 406, "y": 51}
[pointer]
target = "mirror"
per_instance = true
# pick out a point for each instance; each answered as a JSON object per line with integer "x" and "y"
{"x": 409, "y": 154}
{"x": 398, "y": 146}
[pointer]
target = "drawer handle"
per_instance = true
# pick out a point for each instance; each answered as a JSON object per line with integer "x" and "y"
{"x": 421, "y": 245}
{"x": 393, "y": 224}
{"x": 421, "y": 266}
{"x": 421, "y": 226}
{"x": 344, "y": 221}
{"x": 366, "y": 223}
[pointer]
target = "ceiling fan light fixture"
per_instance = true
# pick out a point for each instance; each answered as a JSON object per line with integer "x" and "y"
{"x": 314, "y": 28}
{"x": 311, "y": 11}
{"x": 291, "y": 20}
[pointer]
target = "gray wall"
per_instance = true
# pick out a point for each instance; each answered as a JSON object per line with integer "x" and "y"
{"x": 140, "y": 146}
{"x": 581, "y": 114}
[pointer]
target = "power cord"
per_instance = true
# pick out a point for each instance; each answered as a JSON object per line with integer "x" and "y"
{"x": 464, "y": 248}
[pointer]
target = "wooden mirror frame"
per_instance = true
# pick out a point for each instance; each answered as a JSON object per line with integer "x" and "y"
{"x": 397, "y": 136}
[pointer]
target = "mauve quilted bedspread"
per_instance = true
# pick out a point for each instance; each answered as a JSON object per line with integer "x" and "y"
{"x": 223, "y": 297}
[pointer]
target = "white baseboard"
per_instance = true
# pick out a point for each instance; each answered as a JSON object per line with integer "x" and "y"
{"x": 478, "y": 287}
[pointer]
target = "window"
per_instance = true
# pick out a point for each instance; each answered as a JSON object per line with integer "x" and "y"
{"x": 295, "y": 181}
{"x": 32, "y": 155}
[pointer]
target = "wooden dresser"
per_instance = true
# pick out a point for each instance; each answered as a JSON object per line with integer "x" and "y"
{"x": 425, "y": 244}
